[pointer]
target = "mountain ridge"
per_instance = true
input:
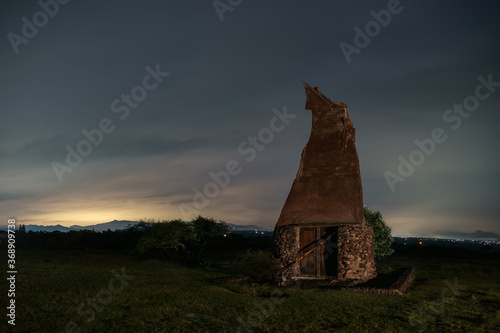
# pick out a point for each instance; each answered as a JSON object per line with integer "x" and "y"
{"x": 116, "y": 225}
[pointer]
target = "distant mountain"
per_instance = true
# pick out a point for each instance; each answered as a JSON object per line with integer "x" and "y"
{"x": 113, "y": 225}
{"x": 48, "y": 228}
{"x": 477, "y": 235}
{"x": 118, "y": 225}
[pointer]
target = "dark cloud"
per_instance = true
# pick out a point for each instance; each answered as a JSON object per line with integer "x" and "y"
{"x": 45, "y": 151}
{"x": 225, "y": 79}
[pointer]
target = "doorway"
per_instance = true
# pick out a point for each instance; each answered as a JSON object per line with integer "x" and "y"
{"x": 319, "y": 248}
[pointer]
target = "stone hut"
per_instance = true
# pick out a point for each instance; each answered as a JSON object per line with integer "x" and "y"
{"x": 321, "y": 233}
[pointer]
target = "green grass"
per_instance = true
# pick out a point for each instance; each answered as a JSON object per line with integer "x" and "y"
{"x": 168, "y": 297}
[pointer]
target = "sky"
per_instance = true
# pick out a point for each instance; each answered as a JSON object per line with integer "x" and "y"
{"x": 172, "y": 109}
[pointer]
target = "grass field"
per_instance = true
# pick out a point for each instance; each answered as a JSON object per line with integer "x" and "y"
{"x": 77, "y": 292}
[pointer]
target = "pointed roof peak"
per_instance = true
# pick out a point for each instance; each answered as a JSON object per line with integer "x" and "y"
{"x": 316, "y": 91}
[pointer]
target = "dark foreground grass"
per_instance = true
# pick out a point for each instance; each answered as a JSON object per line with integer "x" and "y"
{"x": 451, "y": 293}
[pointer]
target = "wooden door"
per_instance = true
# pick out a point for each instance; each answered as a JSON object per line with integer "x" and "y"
{"x": 308, "y": 264}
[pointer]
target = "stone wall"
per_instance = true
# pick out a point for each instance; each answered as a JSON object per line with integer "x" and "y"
{"x": 286, "y": 248}
{"x": 356, "y": 254}
{"x": 400, "y": 287}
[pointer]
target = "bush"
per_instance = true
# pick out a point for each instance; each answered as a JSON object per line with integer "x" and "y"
{"x": 259, "y": 265}
{"x": 382, "y": 238}
{"x": 166, "y": 235}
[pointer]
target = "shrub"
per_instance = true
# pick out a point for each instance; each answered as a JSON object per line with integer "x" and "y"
{"x": 382, "y": 239}
{"x": 259, "y": 265}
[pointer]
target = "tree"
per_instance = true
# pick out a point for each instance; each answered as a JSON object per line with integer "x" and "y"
{"x": 207, "y": 229}
{"x": 165, "y": 235}
{"x": 382, "y": 238}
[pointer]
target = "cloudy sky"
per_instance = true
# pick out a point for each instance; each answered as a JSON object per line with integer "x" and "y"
{"x": 129, "y": 109}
